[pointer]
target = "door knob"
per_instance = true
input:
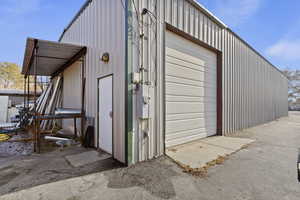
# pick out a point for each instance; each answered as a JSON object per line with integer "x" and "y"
{"x": 111, "y": 114}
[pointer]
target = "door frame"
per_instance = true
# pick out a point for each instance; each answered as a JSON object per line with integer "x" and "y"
{"x": 98, "y": 107}
{"x": 219, "y": 54}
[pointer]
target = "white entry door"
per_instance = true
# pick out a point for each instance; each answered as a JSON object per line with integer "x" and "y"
{"x": 105, "y": 114}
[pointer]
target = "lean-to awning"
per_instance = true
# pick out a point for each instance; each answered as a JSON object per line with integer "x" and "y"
{"x": 49, "y": 58}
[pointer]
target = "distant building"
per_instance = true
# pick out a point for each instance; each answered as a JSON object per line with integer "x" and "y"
{"x": 9, "y": 98}
{"x": 295, "y": 106}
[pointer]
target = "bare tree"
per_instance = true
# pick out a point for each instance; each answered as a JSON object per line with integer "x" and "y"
{"x": 10, "y": 76}
{"x": 294, "y": 87}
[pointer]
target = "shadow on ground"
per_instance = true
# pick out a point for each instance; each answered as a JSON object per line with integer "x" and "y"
{"x": 21, "y": 172}
{"x": 154, "y": 176}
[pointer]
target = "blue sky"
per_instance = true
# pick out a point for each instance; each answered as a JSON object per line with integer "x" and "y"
{"x": 271, "y": 27}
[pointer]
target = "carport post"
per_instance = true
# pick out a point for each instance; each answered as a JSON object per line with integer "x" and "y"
{"x": 82, "y": 96}
{"x": 24, "y": 91}
{"x": 36, "y": 134}
{"x": 75, "y": 128}
{"x": 28, "y": 80}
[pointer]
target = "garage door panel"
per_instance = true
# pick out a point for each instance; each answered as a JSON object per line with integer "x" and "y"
{"x": 190, "y": 65}
{"x": 190, "y": 133}
{"x": 181, "y": 116}
{"x": 174, "y": 98}
{"x": 187, "y": 73}
{"x": 188, "y": 59}
{"x": 177, "y": 43}
{"x": 189, "y": 107}
{"x": 180, "y": 140}
{"x": 186, "y": 81}
{"x": 190, "y": 91}
{"x": 184, "y": 62}
{"x": 189, "y": 124}
{"x": 187, "y": 90}
{"x": 204, "y": 132}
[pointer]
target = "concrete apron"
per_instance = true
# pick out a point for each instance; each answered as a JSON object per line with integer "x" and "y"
{"x": 199, "y": 153}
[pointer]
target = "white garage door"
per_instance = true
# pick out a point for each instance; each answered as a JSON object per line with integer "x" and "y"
{"x": 190, "y": 94}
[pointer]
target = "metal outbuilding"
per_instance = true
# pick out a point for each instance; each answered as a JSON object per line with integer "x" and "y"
{"x": 161, "y": 73}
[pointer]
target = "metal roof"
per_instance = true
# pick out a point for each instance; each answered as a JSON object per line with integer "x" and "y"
{"x": 198, "y": 6}
{"x": 194, "y": 2}
{"x": 208, "y": 13}
{"x": 87, "y": 2}
{"x": 50, "y": 56}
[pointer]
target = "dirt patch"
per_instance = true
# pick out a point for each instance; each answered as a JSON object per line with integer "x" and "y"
{"x": 153, "y": 176}
{"x": 173, "y": 150}
{"x": 202, "y": 171}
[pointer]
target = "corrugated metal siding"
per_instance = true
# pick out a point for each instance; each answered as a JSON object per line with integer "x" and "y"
{"x": 101, "y": 27}
{"x": 72, "y": 93}
{"x": 254, "y": 92}
{"x": 148, "y": 141}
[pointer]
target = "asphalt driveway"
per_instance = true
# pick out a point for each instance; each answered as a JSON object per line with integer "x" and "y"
{"x": 264, "y": 170}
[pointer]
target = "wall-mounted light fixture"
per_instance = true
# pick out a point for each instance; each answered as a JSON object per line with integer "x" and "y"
{"x": 105, "y": 57}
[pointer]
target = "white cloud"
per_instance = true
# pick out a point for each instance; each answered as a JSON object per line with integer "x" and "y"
{"x": 285, "y": 49}
{"x": 236, "y": 12}
{"x": 288, "y": 46}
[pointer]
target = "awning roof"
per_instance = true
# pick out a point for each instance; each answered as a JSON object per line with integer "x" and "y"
{"x": 51, "y": 57}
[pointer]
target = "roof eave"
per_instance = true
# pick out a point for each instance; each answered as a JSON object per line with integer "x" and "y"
{"x": 28, "y": 55}
{"x": 208, "y": 13}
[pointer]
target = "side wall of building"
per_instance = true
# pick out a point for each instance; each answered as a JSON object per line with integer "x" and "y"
{"x": 101, "y": 27}
{"x": 71, "y": 97}
{"x": 254, "y": 91}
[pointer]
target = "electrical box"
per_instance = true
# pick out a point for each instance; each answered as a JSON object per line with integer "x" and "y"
{"x": 143, "y": 102}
